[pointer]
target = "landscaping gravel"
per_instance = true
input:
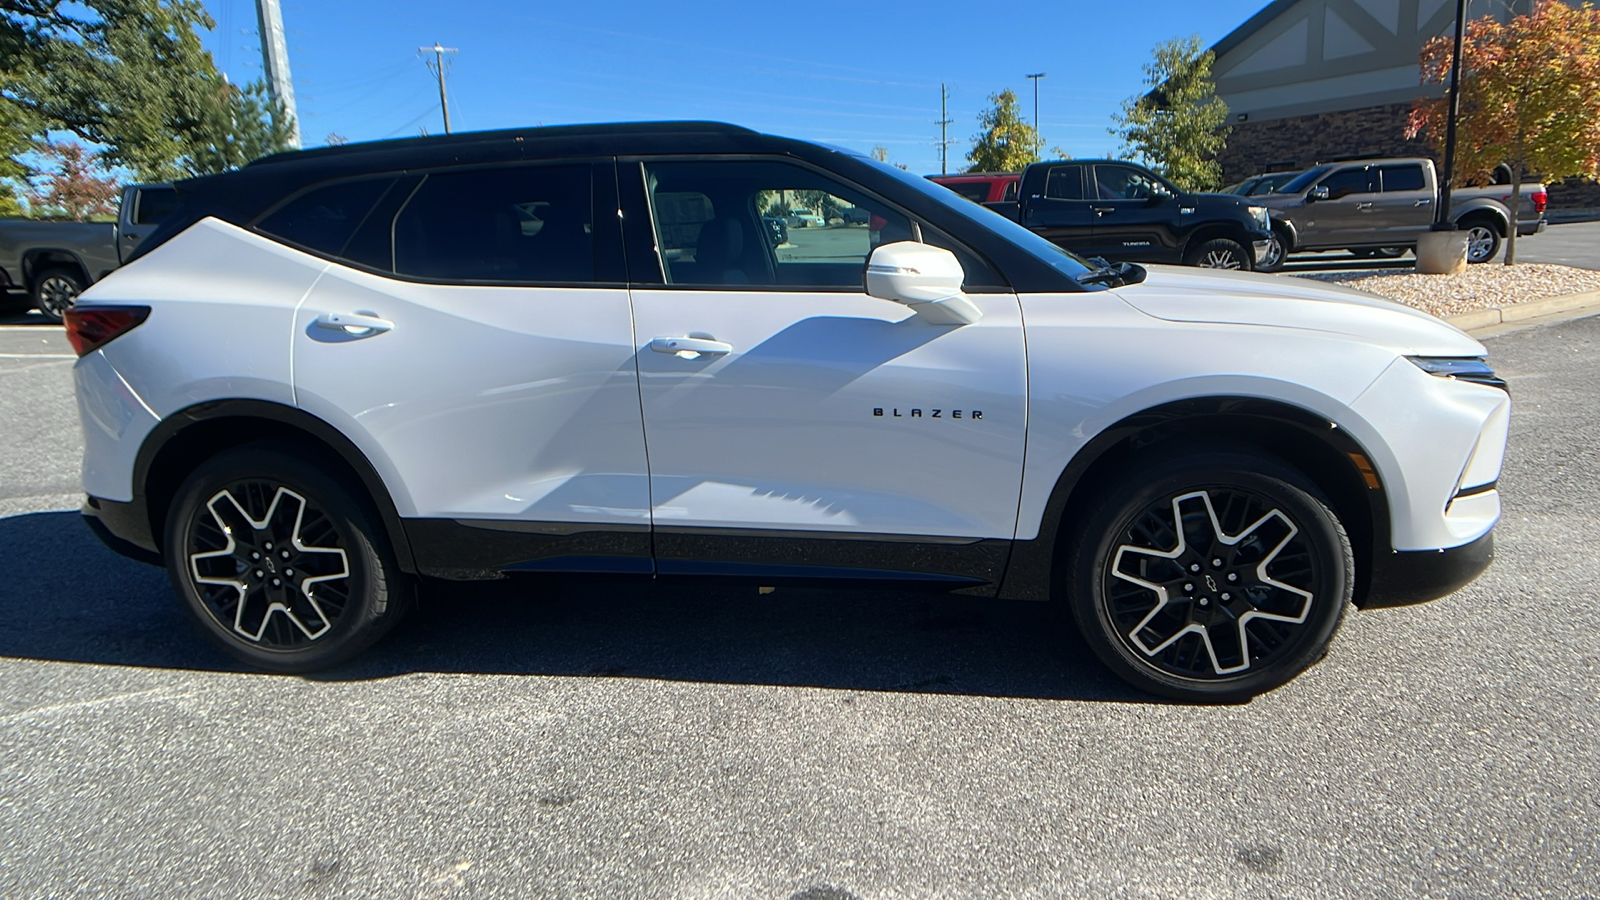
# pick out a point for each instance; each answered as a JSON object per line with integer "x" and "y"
{"x": 1479, "y": 287}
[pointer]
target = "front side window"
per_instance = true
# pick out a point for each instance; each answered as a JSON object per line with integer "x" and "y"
{"x": 1123, "y": 183}
{"x": 1346, "y": 182}
{"x": 513, "y": 224}
{"x": 716, "y": 222}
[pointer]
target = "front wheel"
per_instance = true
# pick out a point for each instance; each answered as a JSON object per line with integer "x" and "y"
{"x": 279, "y": 564}
{"x": 1277, "y": 251}
{"x": 1210, "y": 577}
{"x": 1219, "y": 253}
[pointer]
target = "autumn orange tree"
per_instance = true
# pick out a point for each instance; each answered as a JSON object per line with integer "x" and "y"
{"x": 69, "y": 186}
{"x": 1530, "y": 98}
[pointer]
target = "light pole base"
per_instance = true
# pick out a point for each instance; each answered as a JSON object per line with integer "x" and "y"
{"x": 1442, "y": 252}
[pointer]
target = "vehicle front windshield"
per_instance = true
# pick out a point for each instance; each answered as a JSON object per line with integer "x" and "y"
{"x": 1305, "y": 179}
{"x": 1061, "y": 260}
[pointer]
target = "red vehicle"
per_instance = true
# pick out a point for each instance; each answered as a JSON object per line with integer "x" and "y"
{"x": 982, "y": 187}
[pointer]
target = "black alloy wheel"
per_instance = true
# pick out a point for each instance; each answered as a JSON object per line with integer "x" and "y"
{"x": 1211, "y": 577}
{"x": 278, "y": 563}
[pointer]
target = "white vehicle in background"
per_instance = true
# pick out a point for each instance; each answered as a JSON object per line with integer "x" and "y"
{"x": 341, "y": 371}
{"x": 49, "y": 263}
{"x": 805, "y": 218}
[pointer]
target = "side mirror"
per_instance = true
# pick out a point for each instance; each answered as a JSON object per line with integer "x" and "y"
{"x": 923, "y": 277}
{"x": 1320, "y": 192}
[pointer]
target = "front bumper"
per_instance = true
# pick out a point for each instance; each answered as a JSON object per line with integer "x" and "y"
{"x": 1259, "y": 249}
{"x": 1417, "y": 576}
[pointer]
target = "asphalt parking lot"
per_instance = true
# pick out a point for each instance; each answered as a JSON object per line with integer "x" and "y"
{"x": 578, "y": 739}
{"x": 1569, "y": 244}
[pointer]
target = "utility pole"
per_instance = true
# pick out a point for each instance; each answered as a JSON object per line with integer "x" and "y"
{"x": 275, "y": 61}
{"x": 944, "y": 120}
{"x": 1036, "y": 134}
{"x": 437, "y": 68}
{"x": 1441, "y": 212}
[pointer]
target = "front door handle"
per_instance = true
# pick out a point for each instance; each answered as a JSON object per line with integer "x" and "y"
{"x": 1364, "y": 207}
{"x": 357, "y": 324}
{"x": 1103, "y": 210}
{"x": 1422, "y": 202}
{"x": 691, "y": 346}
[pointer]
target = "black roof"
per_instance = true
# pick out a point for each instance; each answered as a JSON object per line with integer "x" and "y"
{"x": 244, "y": 194}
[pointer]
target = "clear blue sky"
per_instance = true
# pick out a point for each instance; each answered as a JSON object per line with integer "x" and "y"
{"x": 856, "y": 74}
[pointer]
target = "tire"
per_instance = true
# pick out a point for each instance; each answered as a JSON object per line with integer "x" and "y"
{"x": 1151, "y": 603}
{"x": 1219, "y": 253}
{"x": 1483, "y": 239}
{"x": 54, "y": 291}
{"x": 304, "y": 577}
{"x": 1277, "y": 253}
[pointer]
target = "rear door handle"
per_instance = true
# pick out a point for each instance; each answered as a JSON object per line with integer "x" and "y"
{"x": 1364, "y": 207}
{"x": 1423, "y": 202}
{"x": 1103, "y": 210}
{"x": 691, "y": 346}
{"x": 359, "y": 324}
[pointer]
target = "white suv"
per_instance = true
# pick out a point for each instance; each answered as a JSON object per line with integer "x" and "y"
{"x": 337, "y": 372}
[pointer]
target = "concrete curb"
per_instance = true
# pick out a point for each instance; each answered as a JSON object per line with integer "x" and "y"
{"x": 1553, "y": 309}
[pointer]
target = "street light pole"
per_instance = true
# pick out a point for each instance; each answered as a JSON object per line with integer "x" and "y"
{"x": 1441, "y": 213}
{"x": 1036, "y": 135}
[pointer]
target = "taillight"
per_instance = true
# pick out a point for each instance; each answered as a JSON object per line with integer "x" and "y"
{"x": 92, "y": 327}
{"x": 1540, "y": 201}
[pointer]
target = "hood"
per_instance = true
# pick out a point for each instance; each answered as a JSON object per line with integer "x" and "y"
{"x": 1282, "y": 301}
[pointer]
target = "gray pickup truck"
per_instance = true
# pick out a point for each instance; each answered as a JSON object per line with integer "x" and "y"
{"x": 1378, "y": 208}
{"x": 50, "y": 263}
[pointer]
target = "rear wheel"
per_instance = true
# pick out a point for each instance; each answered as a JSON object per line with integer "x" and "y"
{"x": 1210, "y": 577}
{"x": 54, "y": 292}
{"x": 279, "y": 564}
{"x": 1483, "y": 240}
{"x": 1219, "y": 253}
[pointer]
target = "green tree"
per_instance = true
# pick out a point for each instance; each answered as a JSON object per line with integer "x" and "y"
{"x": 1177, "y": 127}
{"x": 1006, "y": 143}
{"x": 71, "y": 185}
{"x": 1530, "y": 97}
{"x": 129, "y": 76}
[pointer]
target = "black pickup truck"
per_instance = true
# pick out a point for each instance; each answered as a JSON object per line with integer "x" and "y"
{"x": 1125, "y": 212}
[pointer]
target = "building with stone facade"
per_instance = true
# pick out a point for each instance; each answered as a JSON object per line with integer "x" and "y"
{"x": 1308, "y": 81}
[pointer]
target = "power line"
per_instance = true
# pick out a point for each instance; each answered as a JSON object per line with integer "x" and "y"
{"x": 437, "y": 68}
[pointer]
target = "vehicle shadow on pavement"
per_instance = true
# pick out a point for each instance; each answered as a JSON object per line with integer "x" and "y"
{"x": 64, "y": 597}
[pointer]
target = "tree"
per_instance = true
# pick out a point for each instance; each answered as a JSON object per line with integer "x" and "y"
{"x": 130, "y": 76}
{"x": 1178, "y": 126}
{"x": 880, "y": 153}
{"x": 1530, "y": 97}
{"x": 69, "y": 187}
{"x": 1006, "y": 143}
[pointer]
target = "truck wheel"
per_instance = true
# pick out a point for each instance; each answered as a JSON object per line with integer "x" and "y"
{"x": 1483, "y": 240}
{"x": 54, "y": 292}
{"x": 1277, "y": 253}
{"x": 1219, "y": 253}
{"x": 279, "y": 563}
{"x": 1211, "y": 576}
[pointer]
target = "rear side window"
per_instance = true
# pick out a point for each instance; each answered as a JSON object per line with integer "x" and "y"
{"x": 1064, "y": 183}
{"x": 977, "y": 192}
{"x": 1403, "y": 178}
{"x": 153, "y": 205}
{"x": 324, "y": 218}
{"x": 507, "y": 224}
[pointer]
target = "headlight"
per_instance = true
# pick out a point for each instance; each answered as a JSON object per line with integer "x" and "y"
{"x": 1462, "y": 368}
{"x": 1260, "y": 215}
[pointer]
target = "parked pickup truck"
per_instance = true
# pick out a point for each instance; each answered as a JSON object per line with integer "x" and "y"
{"x": 54, "y": 261}
{"x": 1124, "y": 212}
{"x": 1378, "y": 207}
